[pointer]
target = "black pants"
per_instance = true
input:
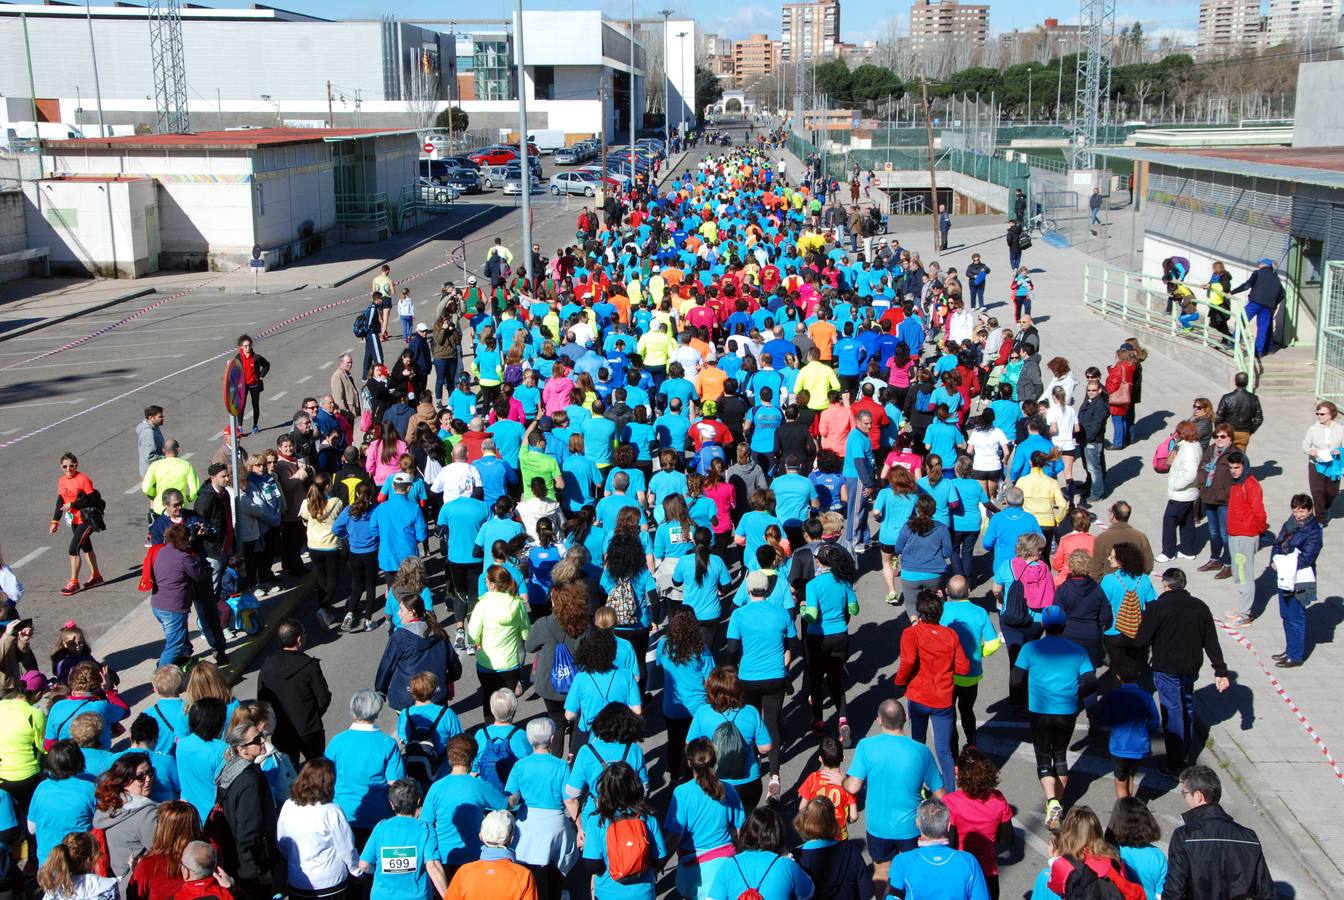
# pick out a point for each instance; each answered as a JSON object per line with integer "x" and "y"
{"x": 639, "y": 639}
{"x": 676, "y": 747}
{"x": 309, "y": 746}
{"x": 327, "y": 568}
{"x": 963, "y": 697}
{"x": 709, "y": 633}
{"x": 555, "y": 711}
{"x": 253, "y": 394}
{"x": 293, "y": 536}
{"x": 1323, "y": 493}
{"x": 749, "y": 794}
{"x": 462, "y": 578}
{"x": 363, "y": 584}
{"x": 1016, "y": 639}
{"x": 826, "y": 655}
{"x": 768, "y": 698}
{"x": 548, "y": 881}
{"x": 268, "y": 548}
{"x": 492, "y": 681}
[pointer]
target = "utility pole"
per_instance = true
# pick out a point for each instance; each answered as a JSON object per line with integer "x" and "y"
{"x": 632, "y": 93}
{"x": 93, "y": 56}
{"x": 1059, "y": 88}
{"x": 359, "y": 118}
{"x": 667, "y": 89}
{"x": 331, "y": 115}
{"x": 219, "y": 105}
{"x": 1028, "y": 95}
{"x": 602, "y": 98}
{"x": 933, "y": 173}
{"x": 681, "y": 79}
{"x": 523, "y": 155}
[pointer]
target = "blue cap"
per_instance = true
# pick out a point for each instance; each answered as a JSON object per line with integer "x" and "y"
{"x": 1266, "y": 262}
{"x": 1052, "y": 615}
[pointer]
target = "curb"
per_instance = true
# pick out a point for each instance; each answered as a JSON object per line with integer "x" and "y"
{"x": 1234, "y": 760}
{"x": 47, "y": 323}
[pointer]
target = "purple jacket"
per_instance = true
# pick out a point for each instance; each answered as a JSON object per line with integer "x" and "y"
{"x": 176, "y": 576}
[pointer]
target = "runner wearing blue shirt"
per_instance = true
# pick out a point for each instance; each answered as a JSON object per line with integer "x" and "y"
{"x": 761, "y": 636}
{"x": 796, "y": 499}
{"x": 979, "y": 639}
{"x": 581, "y": 477}
{"x": 62, "y": 802}
{"x": 762, "y": 864}
{"x": 599, "y": 436}
{"x": 402, "y": 852}
{"x": 703, "y": 577}
{"x": 724, "y": 703}
{"x": 894, "y": 506}
{"x": 934, "y": 870}
{"x": 507, "y": 435}
{"x": 456, "y": 804}
{"x": 829, "y": 603}
{"x": 621, "y": 796}
{"x": 599, "y": 681}
{"x": 762, "y": 422}
{"x": 858, "y": 472}
{"x": 703, "y": 818}
{"x": 686, "y": 664}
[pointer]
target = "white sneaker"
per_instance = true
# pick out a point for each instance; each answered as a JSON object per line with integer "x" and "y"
{"x": 1186, "y": 556}
{"x": 1161, "y": 557}
{"x": 348, "y": 623}
{"x": 773, "y": 790}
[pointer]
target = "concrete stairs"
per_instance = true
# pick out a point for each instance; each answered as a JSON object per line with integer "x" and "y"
{"x": 1290, "y": 372}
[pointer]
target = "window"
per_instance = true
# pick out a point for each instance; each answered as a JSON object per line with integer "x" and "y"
{"x": 543, "y": 82}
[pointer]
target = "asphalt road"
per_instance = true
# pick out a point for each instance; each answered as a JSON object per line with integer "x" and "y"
{"x": 89, "y": 400}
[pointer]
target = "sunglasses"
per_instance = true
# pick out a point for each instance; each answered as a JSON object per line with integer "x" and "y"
{"x": 72, "y": 465}
{"x": 258, "y": 741}
{"x": 147, "y": 775}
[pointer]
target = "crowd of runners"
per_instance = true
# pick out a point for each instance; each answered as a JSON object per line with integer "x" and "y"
{"x": 643, "y": 486}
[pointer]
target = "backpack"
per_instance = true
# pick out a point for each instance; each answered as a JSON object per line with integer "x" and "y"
{"x": 731, "y": 750}
{"x": 361, "y": 324}
{"x": 753, "y": 893}
{"x": 103, "y": 867}
{"x": 628, "y": 849}
{"x": 1085, "y": 884}
{"x": 1162, "y": 455}
{"x": 621, "y": 598}
{"x": 1020, "y": 598}
{"x": 1129, "y": 616}
{"x": 513, "y": 374}
{"x": 924, "y": 401}
{"x": 497, "y": 759}
{"x": 244, "y": 613}
{"x": 421, "y": 756}
{"x": 563, "y": 669}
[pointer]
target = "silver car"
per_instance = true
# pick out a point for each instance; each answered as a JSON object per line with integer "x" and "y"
{"x": 568, "y": 156}
{"x": 437, "y": 193}
{"x": 494, "y": 176}
{"x": 576, "y": 182}
{"x": 513, "y": 182}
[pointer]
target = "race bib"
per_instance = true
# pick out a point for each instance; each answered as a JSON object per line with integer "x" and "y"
{"x": 675, "y": 535}
{"x": 398, "y": 860}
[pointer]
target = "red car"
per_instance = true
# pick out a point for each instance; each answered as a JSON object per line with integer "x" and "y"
{"x": 499, "y": 155}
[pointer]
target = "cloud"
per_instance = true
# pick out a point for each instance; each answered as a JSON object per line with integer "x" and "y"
{"x": 745, "y": 20}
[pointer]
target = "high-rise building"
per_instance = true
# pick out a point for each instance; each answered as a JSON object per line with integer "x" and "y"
{"x": 1227, "y": 27}
{"x": 756, "y": 57}
{"x": 809, "y": 30}
{"x": 718, "y": 55}
{"x": 933, "y": 23}
{"x": 1303, "y": 21}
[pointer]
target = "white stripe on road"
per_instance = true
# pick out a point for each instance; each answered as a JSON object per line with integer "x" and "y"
{"x": 134, "y": 489}
{"x": 275, "y": 397}
{"x": 188, "y": 455}
{"x": 8, "y": 431}
{"x": 107, "y": 362}
{"x": 24, "y": 560}
{"x": 43, "y": 403}
{"x": 303, "y": 379}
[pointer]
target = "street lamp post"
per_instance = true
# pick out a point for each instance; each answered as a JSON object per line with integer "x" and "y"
{"x": 632, "y": 92}
{"x": 526, "y": 160}
{"x": 667, "y": 89}
{"x": 1028, "y": 95}
{"x": 681, "y": 82}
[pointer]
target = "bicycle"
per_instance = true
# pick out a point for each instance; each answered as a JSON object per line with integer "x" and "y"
{"x": 1040, "y": 224}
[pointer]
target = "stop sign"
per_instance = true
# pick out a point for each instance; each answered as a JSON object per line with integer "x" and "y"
{"x": 429, "y": 148}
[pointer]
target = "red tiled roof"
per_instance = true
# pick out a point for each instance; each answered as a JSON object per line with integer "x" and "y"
{"x": 242, "y": 139}
{"x": 1327, "y": 158}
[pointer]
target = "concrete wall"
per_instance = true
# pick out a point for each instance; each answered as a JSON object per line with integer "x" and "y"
{"x": 13, "y": 233}
{"x": 1316, "y": 118}
{"x": 94, "y": 227}
{"x": 991, "y": 195}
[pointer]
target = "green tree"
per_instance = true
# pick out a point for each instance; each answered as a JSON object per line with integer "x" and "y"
{"x": 835, "y": 79}
{"x": 871, "y": 85}
{"x": 453, "y": 118}
{"x": 976, "y": 80}
{"x": 708, "y": 90}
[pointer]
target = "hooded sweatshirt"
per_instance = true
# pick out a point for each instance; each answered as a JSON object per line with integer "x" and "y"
{"x": 129, "y": 831}
{"x": 1246, "y": 516}
{"x": 411, "y": 649}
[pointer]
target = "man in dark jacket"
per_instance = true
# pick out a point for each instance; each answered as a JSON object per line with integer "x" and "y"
{"x": 1240, "y": 409}
{"x": 1092, "y": 418}
{"x": 1020, "y": 207}
{"x": 249, "y": 851}
{"x": 1030, "y": 384}
{"x": 215, "y": 507}
{"x": 399, "y": 413}
{"x": 1179, "y": 628}
{"x": 293, "y": 683}
{"x": 350, "y": 475}
{"x": 1266, "y": 292}
{"x": 1211, "y": 857}
{"x": 304, "y": 435}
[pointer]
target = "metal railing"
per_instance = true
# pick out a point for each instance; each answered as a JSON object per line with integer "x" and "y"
{"x": 1143, "y": 300}
{"x": 1042, "y": 162}
{"x": 370, "y": 211}
{"x": 910, "y": 206}
{"x": 1330, "y": 336}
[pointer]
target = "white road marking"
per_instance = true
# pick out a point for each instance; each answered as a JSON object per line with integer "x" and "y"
{"x": 106, "y": 362}
{"x": 304, "y": 379}
{"x": 277, "y": 396}
{"x": 8, "y": 431}
{"x": 134, "y": 489}
{"x": 188, "y": 455}
{"x": 24, "y": 560}
{"x": 44, "y": 403}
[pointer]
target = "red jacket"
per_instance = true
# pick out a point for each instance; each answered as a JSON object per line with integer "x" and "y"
{"x": 930, "y": 655}
{"x": 1246, "y": 508}
{"x": 1115, "y": 376}
{"x": 203, "y": 888}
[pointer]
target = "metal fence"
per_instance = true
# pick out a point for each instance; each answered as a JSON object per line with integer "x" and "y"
{"x": 1330, "y": 335}
{"x": 1143, "y": 301}
{"x": 16, "y": 168}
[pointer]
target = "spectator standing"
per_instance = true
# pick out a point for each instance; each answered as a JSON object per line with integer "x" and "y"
{"x": 244, "y": 796}
{"x": 1294, "y": 560}
{"x": 1215, "y": 482}
{"x": 1322, "y": 444}
{"x": 1210, "y": 849}
{"x": 149, "y": 438}
{"x": 292, "y": 682}
{"x": 1246, "y": 521}
{"x": 1240, "y": 408}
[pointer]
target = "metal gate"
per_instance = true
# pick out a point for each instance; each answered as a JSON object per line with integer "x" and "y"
{"x": 1330, "y": 335}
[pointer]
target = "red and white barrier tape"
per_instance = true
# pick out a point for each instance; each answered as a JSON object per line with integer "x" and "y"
{"x": 1241, "y": 639}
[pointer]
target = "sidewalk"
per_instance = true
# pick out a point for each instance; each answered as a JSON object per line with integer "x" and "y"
{"x": 30, "y": 304}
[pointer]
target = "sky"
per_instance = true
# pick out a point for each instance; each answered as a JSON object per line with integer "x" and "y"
{"x": 860, "y": 20}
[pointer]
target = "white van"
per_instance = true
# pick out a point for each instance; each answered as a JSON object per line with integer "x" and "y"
{"x": 548, "y": 140}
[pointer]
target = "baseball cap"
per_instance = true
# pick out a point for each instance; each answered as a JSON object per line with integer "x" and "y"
{"x": 1052, "y": 616}
{"x": 422, "y": 327}
{"x": 471, "y": 279}
{"x": 1267, "y": 262}
{"x": 402, "y": 478}
{"x": 34, "y": 681}
{"x": 758, "y": 583}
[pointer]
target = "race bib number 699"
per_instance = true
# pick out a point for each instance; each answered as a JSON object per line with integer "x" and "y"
{"x": 396, "y": 860}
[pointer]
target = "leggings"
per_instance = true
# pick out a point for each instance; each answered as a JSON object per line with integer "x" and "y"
{"x": 749, "y": 794}
{"x": 826, "y": 655}
{"x": 639, "y": 639}
{"x": 963, "y": 697}
{"x": 492, "y": 681}
{"x": 555, "y": 711}
{"x": 253, "y": 392}
{"x": 267, "y": 549}
{"x": 81, "y": 538}
{"x": 462, "y": 579}
{"x": 363, "y": 584}
{"x": 327, "y": 568}
{"x": 676, "y": 747}
{"x": 709, "y": 630}
{"x": 768, "y": 698}
{"x": 293, "y": 536}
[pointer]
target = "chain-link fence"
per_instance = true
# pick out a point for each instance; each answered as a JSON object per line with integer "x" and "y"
{"x": 1330, "y": 335}
{"x": 16, "y": 168}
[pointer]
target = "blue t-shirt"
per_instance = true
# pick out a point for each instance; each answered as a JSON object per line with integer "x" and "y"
{"x": 764, "y": 630}
{"x": 752, "y": 527}
{"x": 461, "y": 520}
{"x": 858, "y": 446}
{"x": 508, "y": 436}
{"x": 640, "y": 435}
{"x": 670, "y": 430}
{"x": 540, "y": 780}
{"x": 496, "y": 529}
{"x": 604, "y": 887}
{"x": 198, "y": 762}
{"x": 401, "y": 840}
{"x": 598, "y": 435}
{"x": 829, "y": 604}
{"x": 420, "y": 719}
{"x": 896, "y": 510}
{"x": 895, "y": 769}
{"x": 974, "y": 629}
{"x": 747, "y": 721}
{"x": 592, "y": 691}
{"x": 367, "y": 761}
{"x": 60, "y": 807}
{"x": 972, "y": 494}
{"x": 637, "y": 483}
{"x": 661, "y": 486}
{"x": 765, "y": 421}
{"x": 642, "y": 584}
{"x": 673, "y": 540}
{"x": 168, "y": 714}
{"x": 944, "y": 494}
{"x": 1132, "y": 716}
{"x": 794, "y": 496}
{"x": 1053, "y": 665}
{"x": 591, "y": 760}
{"x": 943, "y": 439}
{"x": 702, "y": 597}
{"x": 63, "y": 712}
{"x": 684, "y": 682}
{"x": 701, "y": 823}
{"x": 580, "y": 476}
{"x": 608, "y": 508}
{"x": 776, "y": 877}
{"x": 1150, "y": 864}
{"x": 937, "y": 872}
{"x": 454, "y": 807}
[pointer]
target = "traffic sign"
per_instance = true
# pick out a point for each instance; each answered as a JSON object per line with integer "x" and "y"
{"x": 428, "y": 148}
{"x": 257, "y": 263}
{"x": 235, "y": 388}
{"x": 887, "y": 167}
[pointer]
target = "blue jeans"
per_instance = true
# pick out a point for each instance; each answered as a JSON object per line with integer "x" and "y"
{"x": 1293, "y": 612}
{"x": 175, "y": 643}
{"x": 1094, "y": 461}
{"x": 963, "y": 553}
{"x": 920, "y": 715}
{"x": 1119, "y": 432}
{"x": 856, "y": 518}
{"x": 977, "y": 295}
{"x": 1188, "y": 320}
{"x": 1014, "y": 259}
{"x": 1176, "y": 697}
{"x": 407, "y": 327}
{"x": 444, "y": 373}
{"x": 1218, "y": 548}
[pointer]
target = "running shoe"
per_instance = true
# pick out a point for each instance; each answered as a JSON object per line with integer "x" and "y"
{"x": 818, "y": 726}
{"x": 367, "y": 625}
{"x": 846, "y": 739}
{"x": 94, "y": 581}
{"x": 773, "y": 790}
{"x": 348, "y": 623}
{"x": 893, "y": 599}
{"x": 460, "y": 641}
{"x": 1162, "y": 558}
{"x": 1054, "y": 814}
{"x": 255, "y": 429}
{"x": 71, "y": 587}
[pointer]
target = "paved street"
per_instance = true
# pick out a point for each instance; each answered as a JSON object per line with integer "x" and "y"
{"x": 89, "y": 399}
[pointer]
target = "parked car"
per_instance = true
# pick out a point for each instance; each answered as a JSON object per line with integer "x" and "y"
{"x": 435, "y": 170}
{"x": 513, "y": 182}
{"x": 614, "y": 179}
{"x": 576, "y": 182}
{"x": 568, "y": 156}
{"x": 493, "y": 176}
{"x": 492, "y": 156}
{"x": 432, "y": 192}
{"x": 460, "y": 162}
{"x": 465, "y": 180}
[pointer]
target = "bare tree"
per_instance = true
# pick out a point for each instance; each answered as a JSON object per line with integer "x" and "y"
{"x": 1143, "y": 89}
{"x": 422, "y": 95}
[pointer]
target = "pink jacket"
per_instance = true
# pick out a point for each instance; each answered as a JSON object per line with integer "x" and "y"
{"x": 555, "y": 395}
{"x": 377, "y": 469}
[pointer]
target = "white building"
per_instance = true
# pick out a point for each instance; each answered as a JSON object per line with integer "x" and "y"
{"x": 1303, "y": 21}
{"x": 1228, "y": 27}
